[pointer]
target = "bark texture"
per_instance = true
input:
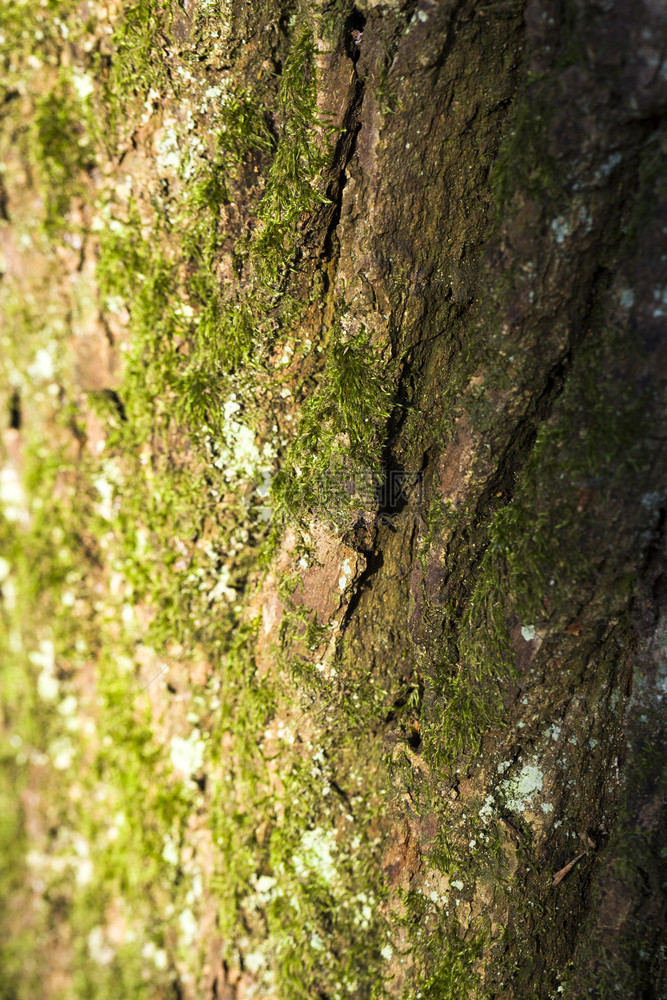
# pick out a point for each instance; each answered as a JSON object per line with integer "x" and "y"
{"x": 477, "y": 640}
{"x": 502, "y": 229}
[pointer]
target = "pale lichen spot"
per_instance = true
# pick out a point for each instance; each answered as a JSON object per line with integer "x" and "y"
{"x": 99, "y": 948}
{"x": 660, "y": 296}
{"x": 561, "y": 229}
{"x": 62, "y": 753}
{"x": 612, "y": 162}
{"x": 82, "y": 83}
{"x": 12, "y": 495}
{"x": 316, "y": 855}
{"x": 486, "y": 812}
{"x": 585, "y": 218}
{"x": 188, "y": 927}
{"x": 43, "y": 366}
{"x": 520, "y": 790}
{"x": 345, "y": 575}
{"x": 170, "y": 852}
{"x": 187, "y": 755}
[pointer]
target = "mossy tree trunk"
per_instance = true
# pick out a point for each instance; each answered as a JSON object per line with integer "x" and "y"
{"x": 429, "y": 258}
{"x": 497, "y": 225}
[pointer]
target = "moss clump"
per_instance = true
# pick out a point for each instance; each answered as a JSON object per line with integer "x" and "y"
{"x": 167, "y": 540}
{"x": 539, "y": 550}
{"x": 446, "y": 962}
{"x": 62, "y": 151}
{"x": 139, "y": 62}
{"x": 334, "y": 463}
{"x": 295, "y": 182}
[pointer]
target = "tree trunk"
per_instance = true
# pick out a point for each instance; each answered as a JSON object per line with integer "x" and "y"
{"x": 389, "y": 343}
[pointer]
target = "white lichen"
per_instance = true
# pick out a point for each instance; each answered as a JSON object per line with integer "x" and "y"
{"x": 187, "y": 755}
{"x": 43, "y": 366}
{"x": 345, "y": 575}
{"x": 188, "y": 928}
{"x": 316, "y": 855}
{"x": 12, "y": 495}
{"x": 520, "y": 790}
{"x": 561, "y": 229}
{"x": 486, "y": 812}
{"x": 99, "y": 948}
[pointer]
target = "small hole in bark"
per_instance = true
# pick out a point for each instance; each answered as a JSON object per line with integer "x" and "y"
{"x": 414, "y": 740}
{"x": 354, "y": 30}
{"x": 15, "y": 411}
{"x": 356, "y": 21}
{"x": 4, "y": 214}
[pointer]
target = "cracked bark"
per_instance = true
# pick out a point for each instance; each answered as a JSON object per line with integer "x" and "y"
{"x": 493, "y": 323}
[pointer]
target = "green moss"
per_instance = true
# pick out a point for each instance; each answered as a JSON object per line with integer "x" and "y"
{"x": 41, "y": 556}
{"x": 535, "y": 553}
{"x": 334, "y": 463}
{"x": 58, "y": 146}
{"x": 295, "y": 182}
{"x": 307, "y": 820}
{"x": 138, "y": 63}
{"x": 26, "y": 25}
{"x": 446, "y": 962}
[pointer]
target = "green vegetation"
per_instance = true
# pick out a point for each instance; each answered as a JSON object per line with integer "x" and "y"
{"x": 39, "y": 567}
{"x": 197, "y": 790}
{"x": 139, "y": 38}
{"x": 62, "y": 151}
{"x": 334, "y": 462}
{"x": 533, "y": 558}
{"x": 167, "y": 810}
{"x": 295, "y": 183}
{"x": 446, "y": 962}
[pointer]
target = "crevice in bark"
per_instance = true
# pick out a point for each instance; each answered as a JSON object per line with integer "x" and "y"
{"x": 343, "y": 154}
{"x": 354, "y": 29}
{"x": 374, "y": 562}
{"x": 15, "y": 416}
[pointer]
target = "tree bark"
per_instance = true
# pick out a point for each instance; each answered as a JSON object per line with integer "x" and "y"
{"x": 501, "y": 231}
{"x": 477, "y": 637}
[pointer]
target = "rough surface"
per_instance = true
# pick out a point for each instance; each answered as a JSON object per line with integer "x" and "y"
{"x": 362, "y": 423}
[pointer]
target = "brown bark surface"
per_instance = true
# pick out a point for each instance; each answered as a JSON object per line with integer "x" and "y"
{"x": 480, "y": 644}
